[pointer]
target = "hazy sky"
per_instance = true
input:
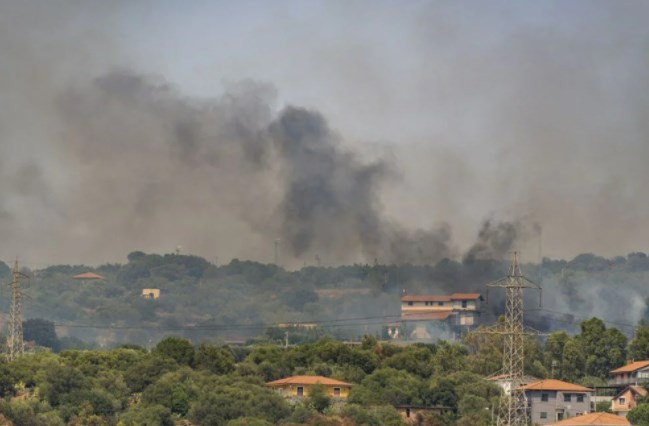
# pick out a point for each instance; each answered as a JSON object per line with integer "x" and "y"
{"x": 531, "y": 111}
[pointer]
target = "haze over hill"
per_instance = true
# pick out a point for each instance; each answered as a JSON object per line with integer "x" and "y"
{"x": 419, "y": 132}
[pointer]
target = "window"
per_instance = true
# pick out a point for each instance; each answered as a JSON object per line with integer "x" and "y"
{"x": 336, "y": 391}
{"x": 409, "y": 303}
{"x": 566, "y": 397}
{"x": 440, "y": 303}
{"x": 621, "y": 401}
{"x": 464, "y": 303}
{"x": 580, "y": 398}
{"x": 544, "y": 397}
{"x": 544, "y": 415}
{"x": 300, "y": 391}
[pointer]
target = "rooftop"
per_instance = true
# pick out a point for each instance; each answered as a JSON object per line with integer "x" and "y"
{"x": 555, "y": 385}
{"x": 631, "y": 367}
{"x": 593, "y": 419}
{"x": 425, "y": 298}
{"x": 639, "y": 390}
{"x": 466, "y": 296}
{"x": 307, "y": 380}
{"x": 88, "y": 276}
{"x": 439, "y": 298}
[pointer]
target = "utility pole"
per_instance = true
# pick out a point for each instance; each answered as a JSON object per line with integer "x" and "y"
{"x": 512, "y": 410}
{"x": 15, "y": 344}
{"x": 286, "y": 339}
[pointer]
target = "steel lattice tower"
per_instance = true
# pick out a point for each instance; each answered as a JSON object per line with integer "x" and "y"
{"x": 15, "y": 344}
{"x": 512, "y": 410}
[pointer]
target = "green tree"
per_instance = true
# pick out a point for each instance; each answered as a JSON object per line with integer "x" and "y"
{"x": 639, "y": 346}
{"x": 639, "y": 415}
{"x": 604, "y": 349}
{"x": 215, "y": 359}
{"x": 41, "y": 332}
{"x": 318, "y": 398}
{"x": 181, "y": 350}
{"x": 146, "y": 415}
{"x": 388, "y": 386}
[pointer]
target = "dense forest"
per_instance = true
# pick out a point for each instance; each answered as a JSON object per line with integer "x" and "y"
{"x": 243, "y": 300}
{"x": 177, "y": 382}
{"x": 100, "y": 354}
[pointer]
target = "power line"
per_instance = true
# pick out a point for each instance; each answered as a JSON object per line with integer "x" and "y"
{"x": 346, "y": 322}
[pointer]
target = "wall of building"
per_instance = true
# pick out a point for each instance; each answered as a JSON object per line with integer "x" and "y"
{"x": 555, "y": 404}
{"x": 629, "y": 402}
{"x": 291, "y": 391}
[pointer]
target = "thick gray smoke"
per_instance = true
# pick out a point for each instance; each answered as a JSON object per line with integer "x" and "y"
{"x": 147, "y": 154}
{"x": 526, "y": 116}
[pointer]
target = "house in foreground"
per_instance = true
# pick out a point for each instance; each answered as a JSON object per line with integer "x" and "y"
{"x": 299, "y": 386}
{"x": 633, "y": 373}
{"x": 625, "y": 400}
{"x": 594, "y": 419}
{"x": 552, "y": 400}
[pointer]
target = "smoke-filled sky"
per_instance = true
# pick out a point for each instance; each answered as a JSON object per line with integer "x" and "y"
{"x": 346, "y": 130}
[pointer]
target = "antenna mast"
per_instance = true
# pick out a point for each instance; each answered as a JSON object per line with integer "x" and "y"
{"x": 15, "y": 344}
{"x": 513, "y": 407}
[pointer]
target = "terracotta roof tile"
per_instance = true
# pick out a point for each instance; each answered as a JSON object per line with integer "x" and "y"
{"x": 425, "y": 298}
{"x": 88, "y": 276}
{"x": 307, "y": 380}
{"x": 594, "y": 419}
{"x": 631, "y": 367}
{"x": 466, "y": 296}
{"x": 558, "y": 385}
{"x": 639, "y": 390}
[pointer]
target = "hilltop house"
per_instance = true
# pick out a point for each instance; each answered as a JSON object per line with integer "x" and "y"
{"x": 625, "y": 400}
{"x": 421, "y": 313}
{"x": 299, "y": 386}
{"x": 88, "y": 276}
{"x": 151, "y": 293}
{"x": 553, "y": 400}
{"x": 594, "y": 419}
{"x": 631, "y": 374}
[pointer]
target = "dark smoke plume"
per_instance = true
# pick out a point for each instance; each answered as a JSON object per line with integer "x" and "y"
{"x": 150, "y": 158}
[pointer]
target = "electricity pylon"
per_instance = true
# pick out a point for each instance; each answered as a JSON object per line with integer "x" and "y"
{"x": 512, "y": 410}
{"x": 15, "y": 344}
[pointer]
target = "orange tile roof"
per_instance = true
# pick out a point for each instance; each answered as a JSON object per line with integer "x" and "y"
{"x": 594, "y": 419}
{"x": 425, "y": 298}
{"x": 558, "y": 385}
{"x": 307, "y": 380}
{"x": 631, "y": 367}
{"x": 465, "y": 296}
{"x": 88, "y": 276}
{"x": 634, "y": 389}
{"x": 426, "y": 316}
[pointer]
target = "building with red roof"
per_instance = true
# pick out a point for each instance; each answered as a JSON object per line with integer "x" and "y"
{"x": 299, "y": 386}
{"x": 88, "y": 276}
{"x": 552, "y": 400}
{"x": 425, "y": 315}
